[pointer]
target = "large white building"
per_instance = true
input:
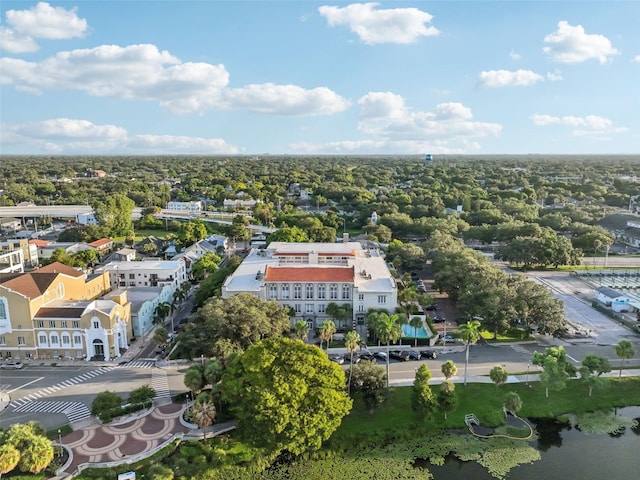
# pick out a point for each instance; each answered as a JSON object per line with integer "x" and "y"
{"x": 191, "y": 207}
{"x": 308, "y": 276}
{"x": 153, "y": 273}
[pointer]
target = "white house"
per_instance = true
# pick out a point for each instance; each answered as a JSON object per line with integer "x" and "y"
{"x": 11, "y": 261}
{"x": 191, "y": 207}
{"x": 152, "y": 273}
{"x": 10, "y": 224}
{"x": 309, "y": 276}
{"x": 237, "y": 204}
{"x": 144, "y": 301}
{"x": 125, "y": 255}
{"x": 618, "y": 302}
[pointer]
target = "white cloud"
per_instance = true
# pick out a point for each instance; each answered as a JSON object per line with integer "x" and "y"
{"x": 41, "y": 21}
{"x": 392, "y": 127}
{"x": 285, "y": 100}
{"x": 373, "y": 26}
{"x": 554, "y": 76}
{"x": 64, "y": 135}
{"x": 180, "y": 144}
{"x": 507, "y": 78}
{"x": 569, "y": 44}
{"x": 514, "y": 56}
{"x": 636, "y": 59}
{"x": 590, "y": 125}
{"x": 143, "y": 72}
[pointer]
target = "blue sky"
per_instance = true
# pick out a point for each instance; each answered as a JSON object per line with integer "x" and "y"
{"x": 306, "y": 77}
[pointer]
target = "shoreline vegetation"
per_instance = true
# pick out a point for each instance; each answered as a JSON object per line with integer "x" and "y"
{"x": 392, "y": 443}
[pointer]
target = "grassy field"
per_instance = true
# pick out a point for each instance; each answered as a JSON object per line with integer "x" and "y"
{"x": 485, "y": 401}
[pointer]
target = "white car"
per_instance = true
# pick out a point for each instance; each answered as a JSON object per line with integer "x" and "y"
{"x": 11, "y": 365}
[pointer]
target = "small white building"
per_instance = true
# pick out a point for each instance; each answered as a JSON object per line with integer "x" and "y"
{"x": 144, "y": 301}
{"x": 11, "y": 261}
{"x": 619, "y": 302}
{"x": 238, "y": 204}
{"x": 307, "y": 277}
{"x": 10, "y": 224}
{"x": 151, "y": 273}
{"x": 124, "y": 255}
{"x": 189, "y": 207}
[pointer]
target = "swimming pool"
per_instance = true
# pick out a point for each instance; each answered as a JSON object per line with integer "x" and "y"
{"x": 409, "y": 332}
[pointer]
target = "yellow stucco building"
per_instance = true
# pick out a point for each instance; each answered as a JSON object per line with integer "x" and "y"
{"x": 56, "y": 312}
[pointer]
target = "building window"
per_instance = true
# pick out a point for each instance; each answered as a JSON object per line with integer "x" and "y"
{"x": 3, "y": 340}
{"x": 63, "y": 324}
{"x": 273, "y": 292}
{"x": 346, "y": 292}
{"x": 309, "y": 291}
{"x": 60, "y": 290}
{"x": 361, "y": 296}
{"x": 52, "y": 324}
{"x": 360, "y": 308}
{"x": 297, "y": 291}
{"x": 42, "y": 339}
{"x": 297, "y": 308}
{"x": 96, "y": 324}
{"x": 132, "y": 284}
{"x": 382, "y": 299}
{"x": 77, "y": 339}
{"x": 3, "y": 310}
{"x": 54, "y": 339}
{"x": 322, "y": 291}
{"x": 308, "y": 308}
{"x": 121, "y": 276}
{"x": 66, "y": 340}
{"x": 40, "y": 323}
{"x": 322, "y": 308}
{"x": 21, "y": 341}
{"x": 75, "y": 324}
{"x": 333, "y": 291}
{"x": 285, "y": 291}
{"x": 123, "y": 284}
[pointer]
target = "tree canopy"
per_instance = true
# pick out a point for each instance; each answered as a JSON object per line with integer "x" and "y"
{"x": 286, "y": 395}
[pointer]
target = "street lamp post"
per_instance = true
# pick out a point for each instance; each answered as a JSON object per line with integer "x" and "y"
{"x": 527, "y": 382}
{"x": 60, "y": 441}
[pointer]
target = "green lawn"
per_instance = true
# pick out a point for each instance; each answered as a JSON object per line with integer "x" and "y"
{"x": 514, "y": 335}
{"x": 142, "y": 234}
{"x": 485, "y": 401}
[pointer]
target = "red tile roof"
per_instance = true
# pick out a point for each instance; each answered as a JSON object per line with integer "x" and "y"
{"x": 31, "y": 285}
{"x": 100, "y": 243}
{"x": 309, "y": 274}
{"x": 57, "y": 267}
{"x": 39, "y": 243}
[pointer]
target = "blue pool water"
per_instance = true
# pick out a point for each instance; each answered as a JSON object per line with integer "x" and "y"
{"x": 408, "y": 331}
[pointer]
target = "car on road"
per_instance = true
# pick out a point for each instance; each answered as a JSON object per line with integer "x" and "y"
{"x": 334, "y": 357}
{"x": 431, "y": 307}
{"x": 399, "y": 355}
{"x": 437, "y": 319}
{"x": 356, "y": 358}
{"x": 422, "y": 287}
{"x": 412, "y": 354}
{"x": 11, "y": 365}
{"x": 432, "y": 354}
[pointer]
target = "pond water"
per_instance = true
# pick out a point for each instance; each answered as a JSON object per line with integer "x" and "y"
{"x": 567, "y": 454}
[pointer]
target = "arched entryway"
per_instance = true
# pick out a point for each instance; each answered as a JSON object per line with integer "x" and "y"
{"x": 98, "y": 348}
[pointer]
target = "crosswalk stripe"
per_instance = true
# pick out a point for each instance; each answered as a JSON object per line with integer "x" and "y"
{"x": 160, "y": 383}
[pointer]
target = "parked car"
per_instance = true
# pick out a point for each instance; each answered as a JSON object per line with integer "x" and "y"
{"x": 431, "y": 307}
{"x": 448, "y": 338}
{"x": 334, "y": 357}
{"x": 347, "y": 358}
{"x": 381, "y": 355}
{"x": 437, "y": 319}
{"x": 11, "y": 365}
{"x": 414, "y": 276}
{"x": 412, "y": 354}
{"x": 429, "y": 354}
{"x": 367, "y": 356}
{"x": 399, "y": 355}
{"x": 422, "y": 288}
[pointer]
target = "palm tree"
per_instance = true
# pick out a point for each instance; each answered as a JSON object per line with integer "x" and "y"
{"x": 624, "y": 350}
{"x": 327, "y": 329}
{"x": 302, "y": 330}
{"x": 449, "y": 369}
{"x": 204, "y": 413}
{"x": 416, "y": 323}
{"x": 470, "y": 333}
{"x": 351, "y": 342}
{"x": 389, "y": 331}
{"x": 161, "y": 312}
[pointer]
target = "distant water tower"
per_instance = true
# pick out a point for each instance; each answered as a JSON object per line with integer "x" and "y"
{"x": 374, "y": 218}
{"x": 427, "y": 159}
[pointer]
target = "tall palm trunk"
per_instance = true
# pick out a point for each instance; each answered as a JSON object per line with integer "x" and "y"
{"x": 466, "y": 363}
{"x": 350, "y": 373}
{"x": 388, "y": 345}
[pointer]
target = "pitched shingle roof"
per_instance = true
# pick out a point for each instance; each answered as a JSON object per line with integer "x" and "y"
{"x": 57, "y": 267}
{"x": 31, "y": 284}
